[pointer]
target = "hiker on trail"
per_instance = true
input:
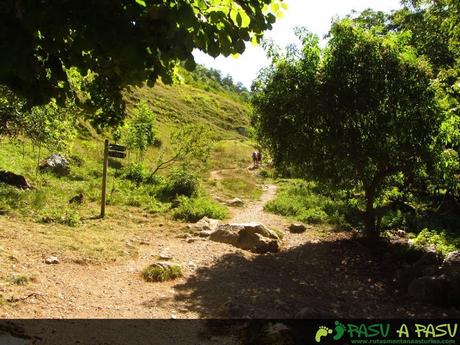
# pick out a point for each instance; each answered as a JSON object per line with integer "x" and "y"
{"x": 255, "y": 156}
{"x": 259, "y": 158}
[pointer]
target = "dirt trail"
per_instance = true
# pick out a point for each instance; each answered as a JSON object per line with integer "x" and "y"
{"x": 322, "y": 274}
{"x": 118, "y": 290}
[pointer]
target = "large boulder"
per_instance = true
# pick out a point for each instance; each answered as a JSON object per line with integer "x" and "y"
{"x": 56, "y": 163}
{"x": 451, "y": 265}
{"x": 257, "y": 243}
{"x": 435, "y": 289}
{"x": 226, "y": 233}
{"x": 254, "y": 237}
{"x": 13, "y": 179}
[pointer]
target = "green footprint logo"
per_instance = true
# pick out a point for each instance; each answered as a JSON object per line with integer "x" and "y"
{"x": 339, "y": 330}
{"x": 322, "y": 332}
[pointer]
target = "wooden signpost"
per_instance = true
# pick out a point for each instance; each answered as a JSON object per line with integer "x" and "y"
{"x": 110, "y": 150}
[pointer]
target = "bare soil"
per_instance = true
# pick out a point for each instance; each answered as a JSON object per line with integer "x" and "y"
{"x": 320, "y": 273}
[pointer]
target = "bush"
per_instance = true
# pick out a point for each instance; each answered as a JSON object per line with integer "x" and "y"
{"x": 443, "y": 241}
{"x": 135, "y": 172}
{"x": 313, "y": 216}
{"x": 192, "y": 210}
{"x": 180, "y": 183}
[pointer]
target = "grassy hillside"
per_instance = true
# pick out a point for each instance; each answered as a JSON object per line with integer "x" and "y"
{"x": 48, "y": 223}
{"x": 181, "y": 104}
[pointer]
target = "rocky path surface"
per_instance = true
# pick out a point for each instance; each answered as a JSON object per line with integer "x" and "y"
{"x": 319, "y": 273}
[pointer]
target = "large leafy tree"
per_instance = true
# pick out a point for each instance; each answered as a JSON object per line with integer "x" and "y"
{"x": 353, "y": 115}
{"x": 121, "y": 41}
{"x": 435, "y": 32}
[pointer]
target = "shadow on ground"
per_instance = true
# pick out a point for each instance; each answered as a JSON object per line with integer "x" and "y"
{"x": 344, "y": 278}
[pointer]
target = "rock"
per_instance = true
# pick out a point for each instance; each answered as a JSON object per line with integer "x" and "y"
{"x": 14, "y": 180}
{"x": 435, "y": 289}
{"x": 428, "y": 261}
{"x": 401, "y": 233}
{"x": 297, "y": 228}
{"x": 164, "y": 256}
{"x": 52, "y": 260}
{"x": 205, "y": 233}
{"x": 451, "y": 265}
{"x": 226, "y": 234}
{"x": 77, "y": 199}
{"x": 162, "y": 271}
{"x": 273, "y": 333}
{"x": 235, "y": 202}
{"x": 55, "y": 163}
{"x": 257, "y": 243}
{"x": 309, "y": 313}
{"x": 254, "y": 237}
{"x": 204, "y": 224}
{"x": 258, "y": 228}
{"x": 232, "y": 309}
{"x": 242, "y": 131}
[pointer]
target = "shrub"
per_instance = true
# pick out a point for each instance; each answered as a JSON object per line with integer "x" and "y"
{"x": 160, "y": 273}
{"x": 309, "y": 203}
{"x": 20, "y": 279}
{"x": 192, "y": 210}
{"x": 180, "y": 183}
{"x": 444, "y": 242}
{"x": 313, "y": 216}
{"x": 135, "y": 172}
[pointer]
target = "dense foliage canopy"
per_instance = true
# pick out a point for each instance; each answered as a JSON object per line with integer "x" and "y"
{"x": 121, "y": 42}
{"x": 356, "y": 113}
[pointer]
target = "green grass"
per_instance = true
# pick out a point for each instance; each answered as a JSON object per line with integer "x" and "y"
{"x": 160, "y": 273}
{"x": 192, "y": 210}
{"x": 240, "y": 186}
{"x": 302, "y": 201}
{"x": 43, "y": 221}
{"x": 231, "y": 154}
{"x": 181, "y": 104}
{"x": 19, "y": 279}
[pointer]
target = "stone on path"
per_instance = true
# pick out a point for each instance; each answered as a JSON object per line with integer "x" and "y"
{"x": 235, "y": 202}
{"x": 52, "y": 260}
{"x": 254, "y": 237}
{"x": 297, "y": 228}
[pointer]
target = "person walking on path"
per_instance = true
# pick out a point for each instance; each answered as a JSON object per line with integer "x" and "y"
{"x": 255, "y": 156}
{"x": 259, "y": 159}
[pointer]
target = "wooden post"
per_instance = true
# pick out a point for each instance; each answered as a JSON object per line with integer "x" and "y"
{"x": 104, "y": 177}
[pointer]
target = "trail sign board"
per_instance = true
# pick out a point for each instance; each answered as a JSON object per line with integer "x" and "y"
{"x": 116, "y": 147}
{"x": 117, "y": 154}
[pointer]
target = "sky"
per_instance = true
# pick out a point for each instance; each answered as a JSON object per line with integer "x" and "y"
{"x": 316, "y": 15}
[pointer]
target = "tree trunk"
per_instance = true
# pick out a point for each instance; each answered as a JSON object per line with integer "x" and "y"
{"x": 370, "y": 220}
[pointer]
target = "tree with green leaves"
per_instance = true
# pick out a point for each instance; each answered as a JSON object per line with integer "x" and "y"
{"x": 122, "y": 42}
{"x": 141, "y": 129}
{"x": 354, "y": 115}
{"x": 190, "y": 148}
{"x": 434, "y": 28}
